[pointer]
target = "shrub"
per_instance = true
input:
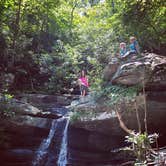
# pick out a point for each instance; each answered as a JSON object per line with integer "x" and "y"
{"x": 5, "y": 106}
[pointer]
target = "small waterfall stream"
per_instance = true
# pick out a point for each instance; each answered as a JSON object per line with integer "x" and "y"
{"x": 43, "y": 148}
{"x": 62, "y": 159}
{"x": 42, "y": 153}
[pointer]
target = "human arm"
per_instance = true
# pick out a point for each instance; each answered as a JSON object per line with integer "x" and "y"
{"x": 79, "y": 82}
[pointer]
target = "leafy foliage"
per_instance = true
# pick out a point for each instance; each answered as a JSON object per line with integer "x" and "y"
{"x": 115, "y": 94}
{"x": 151, "y": 14}
{"x": 81, "y": 115}
{"x": 141, "y": 147}
{"x": 71, "y": 35}
{"x": 5, "y": 109}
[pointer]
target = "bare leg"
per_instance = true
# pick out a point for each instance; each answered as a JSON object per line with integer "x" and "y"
{"x": 83, "y": 93}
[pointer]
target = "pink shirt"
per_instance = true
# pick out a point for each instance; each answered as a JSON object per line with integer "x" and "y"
{"x": 84, "y": 81}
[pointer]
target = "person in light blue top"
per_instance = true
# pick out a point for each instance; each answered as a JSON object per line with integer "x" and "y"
{"x": 123, "y": 49}
{"x": 134, "y": 47}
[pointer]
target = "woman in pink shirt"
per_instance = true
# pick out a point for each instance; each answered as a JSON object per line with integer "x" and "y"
{"x": 83, "y": 83}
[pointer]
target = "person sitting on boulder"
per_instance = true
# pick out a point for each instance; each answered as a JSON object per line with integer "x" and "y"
{"x": 134, "y": 47}
{"x": 83, "y": 83}
{"x": 123, "y": 49}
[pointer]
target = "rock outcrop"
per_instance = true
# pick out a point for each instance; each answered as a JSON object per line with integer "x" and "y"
{"x": 46, "y": 102}
{"x": 150, "y": 67}
{"x": 99, "y": 118}
{"x": 30, "y": 123}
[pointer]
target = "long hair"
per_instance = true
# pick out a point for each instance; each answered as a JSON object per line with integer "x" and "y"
{"x": 83, "y": 73}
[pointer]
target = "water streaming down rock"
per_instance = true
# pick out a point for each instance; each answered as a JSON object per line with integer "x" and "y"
{"x": 44, "y": 146}
{"x": 62, "y": 159}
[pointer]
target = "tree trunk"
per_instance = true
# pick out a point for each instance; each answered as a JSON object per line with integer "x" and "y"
{"x": 17, "y": 24}
{"x": 72, "y": 15}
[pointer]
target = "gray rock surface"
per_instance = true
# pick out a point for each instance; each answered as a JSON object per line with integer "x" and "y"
{"x": 101, "y": 118}
{"x": 151, "y": 68}
{"x": 30, "y": 124}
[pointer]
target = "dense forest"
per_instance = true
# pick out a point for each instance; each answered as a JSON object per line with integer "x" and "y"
{"x": 44, "y": 44}
{"x": 51, "y": 113}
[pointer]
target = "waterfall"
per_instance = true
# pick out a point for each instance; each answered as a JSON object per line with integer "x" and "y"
{"x": 42, "y": 156}
{"x": 62, "y": 159}
{"x": 43, "y": 148}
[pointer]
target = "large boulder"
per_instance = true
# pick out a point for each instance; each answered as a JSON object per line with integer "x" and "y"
{"x": 95, "y": 116}
{"x": 100, "y": 130}
{"x": 46, "y": 102}
{"x": 22, "y": 108}
{"x": 150, "y": 68}
{"x": 132, "y": 73}
{"x": 93, "y": 148}
{"x": 95, "y": 134}
{"x": 111, "y": 69}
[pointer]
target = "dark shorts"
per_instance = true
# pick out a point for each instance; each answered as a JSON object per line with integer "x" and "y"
{"x": 82, "y": 88}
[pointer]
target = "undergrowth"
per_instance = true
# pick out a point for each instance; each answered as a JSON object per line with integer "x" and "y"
{"x": 114, "y": 94}
{"x": 5, "y": 106}
{"x": 81, "y": 115}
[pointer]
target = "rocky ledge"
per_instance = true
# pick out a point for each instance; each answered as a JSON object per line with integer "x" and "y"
{"x": 30, "y": 123}
{"x": 98, "y": 117}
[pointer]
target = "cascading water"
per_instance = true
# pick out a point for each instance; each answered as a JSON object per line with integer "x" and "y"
{"x": 42, "y": 156}
{"x": 43, "y": 149}
{"x": 62, "y": 159}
